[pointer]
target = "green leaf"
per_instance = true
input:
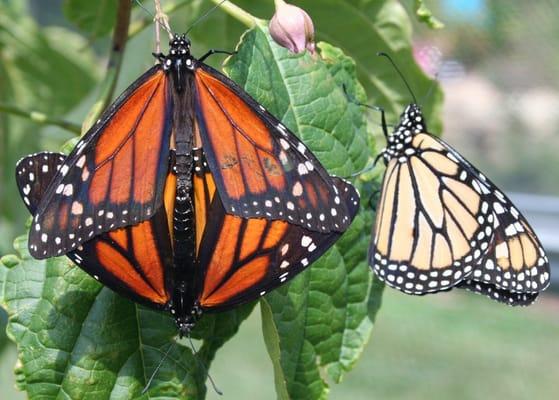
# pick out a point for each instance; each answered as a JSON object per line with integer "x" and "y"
{"x": 77, "y": 339}
{"x": 318, "y": 324}
{"x": 426, "y": 16}
{"x": 94, "y": 17}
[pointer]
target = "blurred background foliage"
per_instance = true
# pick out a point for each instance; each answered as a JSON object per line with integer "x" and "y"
{"x": 498, "y": 63}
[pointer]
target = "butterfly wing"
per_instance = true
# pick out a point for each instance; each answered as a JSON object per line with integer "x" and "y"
{"x": 244, "y": 258}
{"x": 433, "y": 224}
{"x": 33, "y": 175}
{"x": 516, "y": 268}
{"x": 132, "y": 261}
{"x": 260, "y": 168}
{"x": 115, "y": 175}
{"x": 498, "y": 294}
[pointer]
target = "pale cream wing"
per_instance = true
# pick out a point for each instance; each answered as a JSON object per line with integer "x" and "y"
{"x": 433, "y": 224}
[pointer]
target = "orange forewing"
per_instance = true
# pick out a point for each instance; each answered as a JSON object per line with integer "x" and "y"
{"x": 128, "y": 148}
{"x": 247, "y": 162}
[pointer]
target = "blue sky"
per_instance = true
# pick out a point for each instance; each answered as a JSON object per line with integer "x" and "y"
{"x": 463, "y": 8}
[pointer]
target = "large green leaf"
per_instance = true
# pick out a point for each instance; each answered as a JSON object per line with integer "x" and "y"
{"x": 79, "y": 340}
{"x": 322, "y": 319}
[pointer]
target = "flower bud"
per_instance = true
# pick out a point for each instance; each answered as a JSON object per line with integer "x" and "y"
{"x": 292, "y": 28}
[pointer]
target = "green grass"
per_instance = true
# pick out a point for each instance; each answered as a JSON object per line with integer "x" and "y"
{"x": 451, "y": 346}
{"x": 458, "y": 346}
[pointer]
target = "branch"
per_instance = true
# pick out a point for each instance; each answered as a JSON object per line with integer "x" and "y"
{"x": 120, "y": 37}
{"x": 40, "y": 118}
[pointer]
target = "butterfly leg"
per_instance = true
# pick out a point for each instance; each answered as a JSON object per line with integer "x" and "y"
{"x": 212, "y": 52}
{"x": 383, "y": 123}
{"x": 373, "y": 200}
{"x": 376, "y": 108}
{"x": 368, "y": 168}
{"x": 159, "y": 56}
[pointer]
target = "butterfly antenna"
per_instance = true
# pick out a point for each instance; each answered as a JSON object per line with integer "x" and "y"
{"x": 431, "y": 88}
{"x": 148, "y": 384}
{"x": 216, "y": 389}
{"x": 204, "y": 16}
{"x": 353, "y": 100}
{"x": 139, "y": 3}
{"x": 160, "y": 17}
{"x": 383, "y": 54}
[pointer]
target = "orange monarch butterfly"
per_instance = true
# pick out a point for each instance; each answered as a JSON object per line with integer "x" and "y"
{"x": 217, "y": 202}
{"x": 442, "y": 224}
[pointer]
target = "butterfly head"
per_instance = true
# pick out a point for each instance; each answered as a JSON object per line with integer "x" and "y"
{"x": 179, "y": 61}
{"x": 179, "y": 45}
{"x": 411, "y": 120}
{"x": 411, "y": 123}
{"x": 187, "y": 321}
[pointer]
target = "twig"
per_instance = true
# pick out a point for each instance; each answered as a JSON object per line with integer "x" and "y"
{"x": 40, "y": 118}
{"x": 161, "y": 19}
{"x": 120, "y": 36}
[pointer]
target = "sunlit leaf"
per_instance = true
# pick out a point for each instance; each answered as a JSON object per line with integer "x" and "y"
{"x": 425, "y": 15}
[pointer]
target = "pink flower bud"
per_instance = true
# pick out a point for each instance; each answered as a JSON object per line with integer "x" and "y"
{"x": 292, "y": 28}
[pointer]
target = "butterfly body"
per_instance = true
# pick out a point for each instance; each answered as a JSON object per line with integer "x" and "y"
{"x": 442, "y": 224}
{"x": 179, "y": 64}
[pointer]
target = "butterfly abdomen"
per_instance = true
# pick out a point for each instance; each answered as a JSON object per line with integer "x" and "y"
{"x": 186, "y": 270}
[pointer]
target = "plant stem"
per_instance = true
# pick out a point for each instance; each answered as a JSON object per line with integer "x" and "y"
{"x": 161, "y": 20}
{"x": 236, "y": 12}
{"x": 120, "y": 36}
{"x": 40, "y": 118}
